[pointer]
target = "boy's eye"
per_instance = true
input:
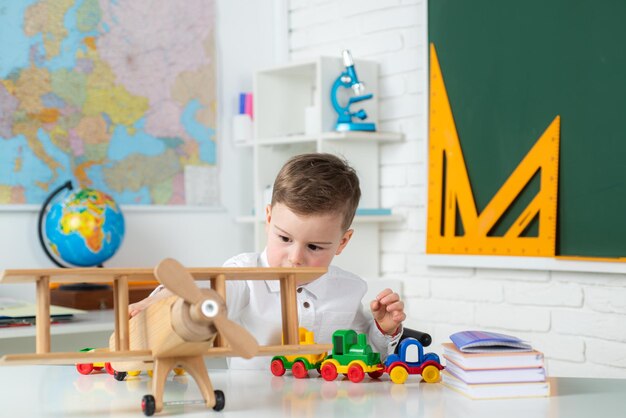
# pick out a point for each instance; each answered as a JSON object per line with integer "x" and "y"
{"x": 314, "y": 247}
{"x": 284, "y": 238}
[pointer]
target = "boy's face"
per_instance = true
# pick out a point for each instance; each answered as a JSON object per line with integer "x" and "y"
{"x": 303, "y": 241}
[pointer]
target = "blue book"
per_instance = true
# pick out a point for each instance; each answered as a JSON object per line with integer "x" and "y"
{"x": 488, "y": 342}
{"x": 242, "y": 103}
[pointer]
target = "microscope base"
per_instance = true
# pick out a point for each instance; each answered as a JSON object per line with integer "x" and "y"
{"x": 343, "y": 127}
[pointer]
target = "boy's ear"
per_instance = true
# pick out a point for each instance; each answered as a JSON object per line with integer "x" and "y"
{"x": 344, "y": 241}
{"x": 268, "y": 216}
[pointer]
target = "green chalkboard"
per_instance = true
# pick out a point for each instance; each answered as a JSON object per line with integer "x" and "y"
{"x": 510, "y": 67}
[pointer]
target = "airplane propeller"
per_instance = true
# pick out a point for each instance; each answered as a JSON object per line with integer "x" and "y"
{"x": 206, "y": 306}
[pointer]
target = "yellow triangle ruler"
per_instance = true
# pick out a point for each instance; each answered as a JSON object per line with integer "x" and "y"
{"x": 450, "y": 197}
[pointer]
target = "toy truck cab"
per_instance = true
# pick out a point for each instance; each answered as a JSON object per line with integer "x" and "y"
{"x": 351, "y": 355}
{"x": 428, "y": 365}
{"x": 299, "y": 364}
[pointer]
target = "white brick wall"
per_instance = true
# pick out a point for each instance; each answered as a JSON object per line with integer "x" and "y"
{"x": 577, "y": 319}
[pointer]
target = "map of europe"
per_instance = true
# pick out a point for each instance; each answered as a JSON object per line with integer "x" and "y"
{"x": 115, "y": 95}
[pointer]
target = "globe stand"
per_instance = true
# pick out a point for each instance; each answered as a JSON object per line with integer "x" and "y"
{"x": 74, "y": 286}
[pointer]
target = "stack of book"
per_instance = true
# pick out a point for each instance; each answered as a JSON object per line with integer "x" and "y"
{"x": 486, "y": 365}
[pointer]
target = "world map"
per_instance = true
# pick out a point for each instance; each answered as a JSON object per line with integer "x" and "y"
{"x": 115, "y": 95}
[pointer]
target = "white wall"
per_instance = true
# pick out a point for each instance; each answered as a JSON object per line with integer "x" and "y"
{"x": 246, "y": 42}
{"x": 578, "y": 320}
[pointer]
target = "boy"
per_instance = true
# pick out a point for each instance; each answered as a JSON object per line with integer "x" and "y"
{"x": 314, "y": 200}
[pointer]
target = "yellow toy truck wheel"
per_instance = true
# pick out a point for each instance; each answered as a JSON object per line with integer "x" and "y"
{"x": 431, "y": 374}
{"x": 399, "y": 374}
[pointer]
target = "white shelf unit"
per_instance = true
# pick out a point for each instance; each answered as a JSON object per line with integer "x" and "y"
{"x": 281, "y": 96}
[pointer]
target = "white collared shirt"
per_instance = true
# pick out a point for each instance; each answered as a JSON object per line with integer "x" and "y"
{"x": 329, "y": 303}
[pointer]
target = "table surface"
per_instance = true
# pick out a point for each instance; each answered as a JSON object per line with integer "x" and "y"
{"x": 59, "y": 391}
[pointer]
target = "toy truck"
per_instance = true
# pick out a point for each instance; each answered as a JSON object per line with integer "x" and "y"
{"x": 351, "y": 355}
{"x": 428, "y": 365}
{"x": 298, "y": 364}
{"x": 88, "y": 368}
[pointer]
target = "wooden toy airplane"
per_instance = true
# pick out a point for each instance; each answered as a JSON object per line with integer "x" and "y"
{"x": 177, "y": 331}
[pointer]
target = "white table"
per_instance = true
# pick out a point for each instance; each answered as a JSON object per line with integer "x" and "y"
{"x": 59, "y": 391}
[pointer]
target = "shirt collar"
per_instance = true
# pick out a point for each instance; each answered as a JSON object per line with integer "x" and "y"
{"x": 317, "y": 287}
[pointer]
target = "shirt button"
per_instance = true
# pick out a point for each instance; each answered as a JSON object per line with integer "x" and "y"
{"x": 306, "y": 304}
{"x": 299, "y": 290}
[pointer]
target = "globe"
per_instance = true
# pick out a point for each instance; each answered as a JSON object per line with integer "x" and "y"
{"x": 85, "y": 228}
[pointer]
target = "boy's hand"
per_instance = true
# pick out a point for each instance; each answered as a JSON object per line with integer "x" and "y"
{"x": 388, "y": 311}
{"x": 135, "y": 308}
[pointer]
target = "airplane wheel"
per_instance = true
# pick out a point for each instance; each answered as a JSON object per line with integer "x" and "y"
{"x": 220, "y": 400}
{"x": 299, "y": 370}
{"x": 119, "y": 376}
{"x": 148, "y": 405}
{"x": 84, "y": 368}
{"x": 179, "y": 371}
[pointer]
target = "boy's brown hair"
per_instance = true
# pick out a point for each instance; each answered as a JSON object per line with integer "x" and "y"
{"x": 318, "y": 183}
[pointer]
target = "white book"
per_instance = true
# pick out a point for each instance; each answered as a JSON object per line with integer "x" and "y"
{"x": 499, "y": 360}
{"x": 535, "y": 374}
{"x": 495, "y": 390}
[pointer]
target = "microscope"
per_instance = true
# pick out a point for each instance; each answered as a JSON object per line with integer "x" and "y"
{"x": 348, "y": 79}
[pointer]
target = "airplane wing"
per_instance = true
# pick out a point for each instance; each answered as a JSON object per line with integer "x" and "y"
{"x": 100, "y": 355}
{"x": 272, "y": 350}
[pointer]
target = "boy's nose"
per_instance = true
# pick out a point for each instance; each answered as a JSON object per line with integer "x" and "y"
{"x": 296, "y": 256}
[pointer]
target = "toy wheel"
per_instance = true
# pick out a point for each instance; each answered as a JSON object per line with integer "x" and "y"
{"x": 148, "y": 405}
{"x": 84, "y": 368}
{"x": 134, "y": 372}
{"x": 119, "y": 376}
{"x": 150, "y": 373}
{"x": 179, "y": 371}
{"x": 431, "y": 374}
{"x": 376, "y": 374}
{"x": 356, "y": 373}
{"x": 329, "y": 371}
{"x": 299, "y": 370}
{"x": 108, "y": 368}
{"x": 220, "y": 400}
{"x": 97, "y": 368}
{"x": 277, "y": 367}
{"x": 398, "y": 374}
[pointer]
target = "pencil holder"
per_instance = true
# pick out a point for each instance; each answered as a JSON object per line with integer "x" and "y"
{"x": 242, "y": 128}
